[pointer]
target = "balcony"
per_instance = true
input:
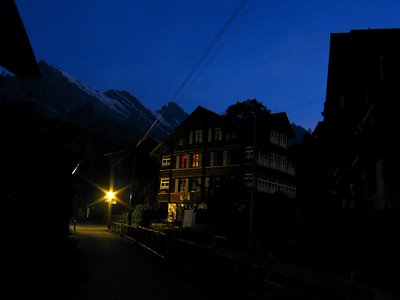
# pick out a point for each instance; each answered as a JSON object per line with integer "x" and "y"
{"x": 173, "y": 197}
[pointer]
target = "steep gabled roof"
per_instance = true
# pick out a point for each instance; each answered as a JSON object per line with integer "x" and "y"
{"x": 202, "y": 118}
{"x": 281, "y": 121}
{"x": 195, "y": 119}
{"x": 16, "y": 54}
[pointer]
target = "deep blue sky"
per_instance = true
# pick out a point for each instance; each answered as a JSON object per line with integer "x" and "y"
{"x": 275, "y": 51}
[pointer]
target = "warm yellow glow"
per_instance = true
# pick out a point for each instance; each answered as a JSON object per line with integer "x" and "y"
{"x": 110, "y": 195}
{"x": 107, "y": 193}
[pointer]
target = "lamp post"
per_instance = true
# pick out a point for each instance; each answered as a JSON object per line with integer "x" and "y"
{"x": 110, "y": 195}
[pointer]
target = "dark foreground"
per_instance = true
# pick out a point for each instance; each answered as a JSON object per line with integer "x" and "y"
{"x": 97, "y": 264}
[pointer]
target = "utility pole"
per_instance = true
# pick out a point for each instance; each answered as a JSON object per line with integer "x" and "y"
{"x": 132, "y": 192}
{"x": 130, "y": 206}
{"x": 252, "y": 186}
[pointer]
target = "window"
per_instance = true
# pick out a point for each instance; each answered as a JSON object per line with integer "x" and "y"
{"x": 184, "y": 162}
{"x": 196, "y": 184}
{"x": 207, "y": 182}
{"x": 274, "y": 139}
{"x": 248, "y": 154}
{"x": 218, "y": 134}
{"x": 284, "y": 165}
{"x": 209, "y": 135}
{"x": 196, "y": 160}
{"x": 283, "y": 141}
{"x": 291, "y": 168}
{"x": 275, "y": 162}
{"x": 213, "y": 158}
{"x": 164, "y": 184}
{"x": 248, "y": 180}
{"x": 183, "y": 185}
{"x": 226, "y": 158}
{"x": 166, "y": 161}
{"x": 278, "y": 139}
{"x": 196, "y": 137}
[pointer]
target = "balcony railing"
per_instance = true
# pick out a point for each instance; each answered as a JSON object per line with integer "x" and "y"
{"x": 173, "y": 197}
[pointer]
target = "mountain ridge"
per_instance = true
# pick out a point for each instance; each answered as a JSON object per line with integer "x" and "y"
{"x": 116, "y": 114}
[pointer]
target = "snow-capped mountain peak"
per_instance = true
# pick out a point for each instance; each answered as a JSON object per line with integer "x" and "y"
{"x": 111, "y": 103}
{"x": 114, "y": 113}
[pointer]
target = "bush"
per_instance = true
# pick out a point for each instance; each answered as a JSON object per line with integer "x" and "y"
{"x": 141, "y": 215}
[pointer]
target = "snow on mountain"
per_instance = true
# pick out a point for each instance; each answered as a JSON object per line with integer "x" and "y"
{"x": 171, "y": 114}
{"x": 111, "y": 103}
{"x": 116, "y": 114}
{"x": 128, "y": 102}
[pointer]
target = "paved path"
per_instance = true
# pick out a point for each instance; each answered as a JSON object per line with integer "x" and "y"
{"x": 106, "y": 266}
{"x": 93, "y": 264}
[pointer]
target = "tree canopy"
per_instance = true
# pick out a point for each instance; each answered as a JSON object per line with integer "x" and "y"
{"x": 246, "y": 109}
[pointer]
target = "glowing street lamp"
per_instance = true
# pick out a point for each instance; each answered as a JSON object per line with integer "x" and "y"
{"x": 110, "y": 196}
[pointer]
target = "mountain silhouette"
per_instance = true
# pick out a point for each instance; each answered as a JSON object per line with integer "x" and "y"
{"x": 114, "y": 114}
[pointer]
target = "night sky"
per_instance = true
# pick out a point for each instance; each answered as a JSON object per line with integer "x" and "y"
{"x": 226, "y": 50}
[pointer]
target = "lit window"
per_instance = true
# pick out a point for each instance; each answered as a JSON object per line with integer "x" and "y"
{"x": 195, "y": 160}
{"x": 184, "y": 161}
{"x": 164, "y": 184}
{"x": 166, "y": 161}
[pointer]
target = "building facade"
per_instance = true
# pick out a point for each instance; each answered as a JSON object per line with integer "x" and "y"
{"x": 208, "y": 150}
{"x": 353, "y": 213}
{"x": 359, "y": 118}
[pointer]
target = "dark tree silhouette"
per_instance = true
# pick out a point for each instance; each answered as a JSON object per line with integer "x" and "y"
{"x": 246, "y": 109}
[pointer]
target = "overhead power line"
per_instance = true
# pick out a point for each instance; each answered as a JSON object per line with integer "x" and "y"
{"x": 199, "y": 63}
{"x": 228, "y": 36}
{"x": 203, "y": 57}
{"x": 217, "y": 37}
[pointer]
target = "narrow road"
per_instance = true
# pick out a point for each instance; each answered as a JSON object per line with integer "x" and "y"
{"x": 104, "y": 265}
